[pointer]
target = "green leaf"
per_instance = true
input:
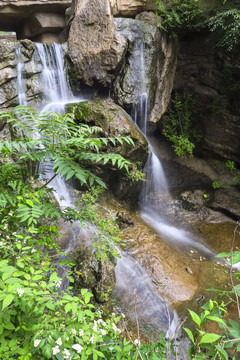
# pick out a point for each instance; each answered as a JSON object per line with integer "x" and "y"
{"x": 68, "y": 307}
{"x": 217, "y": 319}
{"x": 195, "y": 317}
{"x": 209, "y": 338}
{"x": 190, "y": 334}
{"x": 7, "y": 301}
{"x": 222, "y": 352}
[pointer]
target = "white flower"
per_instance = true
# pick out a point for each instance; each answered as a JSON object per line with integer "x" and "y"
{"x": 77, "y": 347}
{"x": 95, "y": 326}
{"x": 59, "y": 341}
{"x": 137, "y": 342}
{"x": 123, "y": 316}
{"x": 33, "y": 251}
{"x": 73, "y": 332}
{"x": 58, "y": 283}
{"x": 1, "y": 243}
{"x": 92, "y": 339}
{"x": 36, "y": 342}
{"x": 55, "y": 350}
{"x": 81, "y": 332}
{"x": 114, "y": 328}
{"x": 103, "y": 332}
{"x": 20, "y": 291}
{"x": 66, "y": 354}
{"x": 67, "y": 338}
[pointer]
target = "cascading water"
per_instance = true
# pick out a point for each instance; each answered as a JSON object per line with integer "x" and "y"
{"x": 20, "y": 83}
{"x": 155, "y": 190}
{"x": 54, "y": 85}
{"x": 56, "y": 93}
{"x": 134, "y": 288}
{"x": 153, "y": 311}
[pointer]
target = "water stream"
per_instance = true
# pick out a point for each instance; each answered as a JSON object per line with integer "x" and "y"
{"x": 155, "y": 196}
{"x": 133, "y": 285}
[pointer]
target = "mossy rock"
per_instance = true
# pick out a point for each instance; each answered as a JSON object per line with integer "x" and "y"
{"x": 98, "y": 276}
{"x": 114, "y": 121}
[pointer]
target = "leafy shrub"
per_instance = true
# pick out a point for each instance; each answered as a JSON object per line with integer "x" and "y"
{"x": 178, "y": 127}
{"x": 178, "y": 15}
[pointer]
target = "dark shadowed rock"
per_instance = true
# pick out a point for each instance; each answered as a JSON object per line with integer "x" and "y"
{"x": 227, "y": 201}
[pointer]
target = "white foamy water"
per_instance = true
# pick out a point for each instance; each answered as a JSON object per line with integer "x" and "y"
{"x": 20, "y": 83}
{"x": 57, "y": 94}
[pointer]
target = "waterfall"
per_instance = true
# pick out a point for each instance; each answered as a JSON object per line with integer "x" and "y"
{"x": 155, "y": 190}
{"x": 153, "y": 310}
{"x": 134, "y": 288}
{"x": 20, "y": 83}
{"x": 55, "y": 87}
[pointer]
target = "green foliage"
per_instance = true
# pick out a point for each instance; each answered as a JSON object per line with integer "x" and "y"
{"x": 221, "y": 17}
{"x": 207, "y": 345}
{"x": 70, "y": 146}
{"x": 216, "y": 185}
{"x": 225, "y": 22}
{"x": 235, "y": 176}
{"x": 178, "y": 125}
{"x": 178, "y": 15}
{"x": 37, "y": 321}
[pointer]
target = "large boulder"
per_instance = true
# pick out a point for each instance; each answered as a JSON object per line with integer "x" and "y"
{"x": 95, "y": 47}
{"x": 114, "y": 121}
{"x": 149, "y": 65}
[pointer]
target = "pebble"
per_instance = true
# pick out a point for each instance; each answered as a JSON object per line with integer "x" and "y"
{"x": 189, "y": 270}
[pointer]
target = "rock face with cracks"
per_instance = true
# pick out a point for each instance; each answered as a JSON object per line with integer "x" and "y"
{"x": 95, "y": 47}
{"x": 149, "y": 65}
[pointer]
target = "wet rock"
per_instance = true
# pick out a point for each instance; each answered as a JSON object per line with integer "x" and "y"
{"x": 192, "y": 200}
{"x": 100, "y": 50}
{"x": 96, "y": 275}
{"x": 123, "y": 219}
{"x": 227, "y": 201}
{"x": 160, "y": 56}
